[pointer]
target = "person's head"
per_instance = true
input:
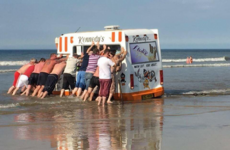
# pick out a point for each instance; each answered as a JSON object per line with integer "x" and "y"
{"x": 111, "y": 54}
{"x": 33, "y": 60}
{"x": 95, "y": 51}
{"x": 106, "y": 53}
{"x": 53, "y": 56}
{"x": 42, "y": 60}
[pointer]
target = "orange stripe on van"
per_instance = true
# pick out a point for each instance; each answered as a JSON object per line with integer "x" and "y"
{"x": 71, "y": 39}
{"x": 66, "y": 44}
{"x": 60, "y": 44}
{"x": 120, "y": 36}
{"x": 138, "y": 95}
{"x": 113, "y": 37}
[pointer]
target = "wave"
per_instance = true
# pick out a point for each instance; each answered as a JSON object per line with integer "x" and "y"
{"x": 196, "y": 65}
{"x": 13, "y": 63}
{"x": 208, "y": 92}
{"x": 7, "y": 70}
{"x": 40, "y": 102}
{"x": 199, "y": 59}
{"x": 9, "y": 105}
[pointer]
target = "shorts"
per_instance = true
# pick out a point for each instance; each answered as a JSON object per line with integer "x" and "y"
{"x": 50, "y": 83}
{"x": 80, "y": 82}
{"x": 113, "y": 85}
{"x": 16, "y": 76}
{"x": 94, "y": 82}
{"x": 105, "y": 85}
{"x": 42, "y": 78}
{"x": 68, "y": 80}
{"x": 22, "y": 80}
{"x": 33, "y": 79}
{"x": 88, "y": 77}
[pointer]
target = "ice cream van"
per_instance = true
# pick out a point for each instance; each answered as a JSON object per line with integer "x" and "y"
{"x": 141, "y": 76}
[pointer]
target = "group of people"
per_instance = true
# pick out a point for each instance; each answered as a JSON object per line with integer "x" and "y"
{"x": 95, "y": 75}
{"x": 40, "y": 76}
{"x": 189, "y": 60}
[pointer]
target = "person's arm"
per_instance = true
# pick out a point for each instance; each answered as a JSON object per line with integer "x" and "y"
{"x": 124, "y": 52}
{"x": 60, "y": 56}
{"x": 88, "y": 50}
{"x": 98, "y": 45}
{"x": 67, "y": 56}
{"x": 102, "y": 51}
{"x": 121, "y": 52}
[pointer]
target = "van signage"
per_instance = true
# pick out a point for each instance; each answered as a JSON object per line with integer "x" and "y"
{"x": 137, "y": 38}
{"x": 90, "y": 39}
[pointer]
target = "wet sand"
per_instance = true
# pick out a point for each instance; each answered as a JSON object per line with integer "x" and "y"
{"x": 183, "y": 122}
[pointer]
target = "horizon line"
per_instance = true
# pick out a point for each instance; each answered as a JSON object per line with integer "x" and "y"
{"x": 161, "y": 49}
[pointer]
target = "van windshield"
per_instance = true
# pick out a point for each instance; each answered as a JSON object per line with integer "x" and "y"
{"x": 143, "y": 52}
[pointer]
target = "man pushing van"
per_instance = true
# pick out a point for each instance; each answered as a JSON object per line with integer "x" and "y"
{"x": 52, "y": 79}
{"x": 46, "y": 70}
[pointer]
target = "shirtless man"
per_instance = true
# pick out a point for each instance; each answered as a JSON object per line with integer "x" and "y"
{"x": 46, "y": 69}
{"x": 33, "y": 79}
{"x": 16, "y": 76}
{"x": 52, "y": 79}
{"x": 117, "y": 59}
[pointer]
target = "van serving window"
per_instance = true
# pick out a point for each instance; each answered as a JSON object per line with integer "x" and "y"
{"x": 143, "y": 52}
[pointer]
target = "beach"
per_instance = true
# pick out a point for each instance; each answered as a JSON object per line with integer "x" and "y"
{"x": 192, "y": 114}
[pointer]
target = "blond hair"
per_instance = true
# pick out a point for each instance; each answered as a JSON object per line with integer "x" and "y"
{"x": 33, "y": 60}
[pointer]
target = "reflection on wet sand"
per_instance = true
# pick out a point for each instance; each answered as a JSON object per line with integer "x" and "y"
{"x": 133, "y": 125}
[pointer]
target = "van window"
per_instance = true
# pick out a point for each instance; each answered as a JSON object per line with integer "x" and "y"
{"x": 143, "y": 52}
{"x": 116, "y": 49}
{"x": 113, "y": 48}
{"x": 77, "y": 50}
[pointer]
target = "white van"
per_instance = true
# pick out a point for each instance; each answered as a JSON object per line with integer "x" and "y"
{"x": 141, "y": 76}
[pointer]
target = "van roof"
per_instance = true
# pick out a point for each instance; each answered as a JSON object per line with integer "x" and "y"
{"x": 111, "y": 31}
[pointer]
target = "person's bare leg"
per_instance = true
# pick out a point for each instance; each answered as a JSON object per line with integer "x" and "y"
{"x": 26, "y": 92}
{"x": 83, "y": 95}
{"x": 40, "y": 95}
{"x": 92, "y": 93}
{"x": 14, "y": 92}
{"x": 62, "y": 92}
{"x": 74, "y": 91}
{"x": 23, "y": 88}
{"x": 87, "y": 93}
{"x": 44, "y": 94}
{"x": 103, "y": 101}
{"x": 36, "y": 90}
{"x": 91, "y": 96}
{"x": 11, "y": 89}
{"x": 41, "y": 89}
{"x": 79, "y": 92}
{"x": 99, "y": 100}
{"x": 109, "y": 99}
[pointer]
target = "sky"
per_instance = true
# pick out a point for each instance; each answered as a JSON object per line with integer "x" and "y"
{"x": 182, "y": 24}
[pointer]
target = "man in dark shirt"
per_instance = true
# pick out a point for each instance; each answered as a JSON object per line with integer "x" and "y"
{"x": 80, "y": 81}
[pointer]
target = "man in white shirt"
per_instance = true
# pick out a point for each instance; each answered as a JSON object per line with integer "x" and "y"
{"x": 106, "y": 66}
